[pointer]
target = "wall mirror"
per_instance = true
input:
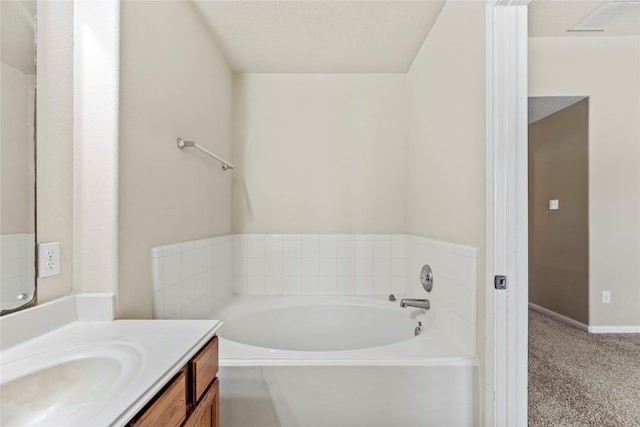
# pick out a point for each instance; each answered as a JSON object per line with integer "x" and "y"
{"x": 17, "y": 155}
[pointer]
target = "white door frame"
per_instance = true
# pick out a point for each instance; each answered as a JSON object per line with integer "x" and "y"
{"x": 507, "y": 223}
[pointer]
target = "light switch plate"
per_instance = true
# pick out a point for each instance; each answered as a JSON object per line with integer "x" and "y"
{"x": 48, "y": 259}
{"x": 554, "y": 205}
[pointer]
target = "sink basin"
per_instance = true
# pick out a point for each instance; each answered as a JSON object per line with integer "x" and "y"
{"x": 66, "y": 385}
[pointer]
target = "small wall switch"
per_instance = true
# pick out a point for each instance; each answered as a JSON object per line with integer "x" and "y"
{"x": 606, "y": 297}
{"x": 554, "y": 205}
{"x": 48, "y": 259}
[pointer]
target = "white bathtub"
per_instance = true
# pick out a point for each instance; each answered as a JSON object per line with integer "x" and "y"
{"x": 315, "y": 361}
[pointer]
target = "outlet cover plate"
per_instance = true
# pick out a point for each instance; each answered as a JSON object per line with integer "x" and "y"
{"x": 48, "y": 259}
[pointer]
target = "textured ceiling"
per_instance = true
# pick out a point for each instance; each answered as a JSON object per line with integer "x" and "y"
{"x": 18, "y": 34}
{"x": 552, "y": 18}
{"x": 320, "y": 36}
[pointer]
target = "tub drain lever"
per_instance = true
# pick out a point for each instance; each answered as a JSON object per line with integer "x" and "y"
{"x": 418, "y": 330}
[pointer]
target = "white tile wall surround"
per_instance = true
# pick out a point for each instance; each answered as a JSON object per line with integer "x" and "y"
{"x": 318, "y": 264}
{"x": 194, "y": 279}
{"x": 453, "y": 299}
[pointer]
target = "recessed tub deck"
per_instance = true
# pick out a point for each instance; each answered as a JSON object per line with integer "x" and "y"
{"x": 340, "y": 361}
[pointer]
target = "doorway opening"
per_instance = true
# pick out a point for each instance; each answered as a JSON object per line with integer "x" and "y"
{"x": 558, "y": 187}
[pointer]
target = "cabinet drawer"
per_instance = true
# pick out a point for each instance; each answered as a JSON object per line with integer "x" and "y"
{"x": 170, "y": 408}
{"x": 204, "y": 368}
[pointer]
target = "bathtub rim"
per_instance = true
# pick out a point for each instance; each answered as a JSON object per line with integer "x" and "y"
{"x": 441, "y": 351}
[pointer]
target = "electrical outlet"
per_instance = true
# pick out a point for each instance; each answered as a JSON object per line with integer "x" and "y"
{"x": 48, "y": 259}
{"x": 606, "y": 297}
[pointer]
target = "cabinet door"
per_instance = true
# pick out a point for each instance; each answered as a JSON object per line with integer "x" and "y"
{"x": 207, "y": 413}
{"x": 170, "y": 407}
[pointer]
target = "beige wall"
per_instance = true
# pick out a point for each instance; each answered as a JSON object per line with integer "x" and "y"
{"x": 18, "y": 178}
{"x": 446, "y": 136}
{"x": 174, "y": 82}
{"x": 559, "y": 239}
{"x": 607, "y": 69}
{"x": 55, "y": 140}
{"x": 319, "y": 153}
{"x": 446, "y": 140}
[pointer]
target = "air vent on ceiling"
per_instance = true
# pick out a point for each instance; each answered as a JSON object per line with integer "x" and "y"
{"x": 601, "y": 18}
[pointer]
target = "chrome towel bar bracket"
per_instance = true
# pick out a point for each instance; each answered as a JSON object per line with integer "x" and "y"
{"x": 182, "y": 144}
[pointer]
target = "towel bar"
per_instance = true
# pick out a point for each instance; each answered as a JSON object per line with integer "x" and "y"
{"x": 182, "y": 144}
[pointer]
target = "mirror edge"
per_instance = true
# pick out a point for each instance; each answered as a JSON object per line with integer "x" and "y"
{"x": 33, "y": 302}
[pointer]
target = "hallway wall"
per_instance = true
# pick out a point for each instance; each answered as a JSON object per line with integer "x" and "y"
{"x": 559, "y": 239}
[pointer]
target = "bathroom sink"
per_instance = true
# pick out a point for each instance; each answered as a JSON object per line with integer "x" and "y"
{"x": 65, "y": 386}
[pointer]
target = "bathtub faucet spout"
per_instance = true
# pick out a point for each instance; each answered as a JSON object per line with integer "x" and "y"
{"x": 419, "y": 303}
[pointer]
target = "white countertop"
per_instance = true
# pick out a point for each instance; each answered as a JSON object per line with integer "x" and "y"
{"x": 164, "y": 346}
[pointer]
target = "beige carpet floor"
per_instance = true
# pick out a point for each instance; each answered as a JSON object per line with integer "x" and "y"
{"x": 582, "y": 379}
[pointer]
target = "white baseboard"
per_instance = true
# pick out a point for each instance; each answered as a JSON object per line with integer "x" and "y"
{"x": 560, "y": 317}
{"x": 580, "y": 325}
{"x": 614, "y": 329}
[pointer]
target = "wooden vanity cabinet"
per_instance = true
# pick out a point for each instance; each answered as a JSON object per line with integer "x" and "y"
{"x": 207, "y": 412}
{"x": 190, "y": 399}
{"x": 169, "y": 406}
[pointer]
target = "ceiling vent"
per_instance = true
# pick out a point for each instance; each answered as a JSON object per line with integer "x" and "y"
{"x": 604, "y": 16}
